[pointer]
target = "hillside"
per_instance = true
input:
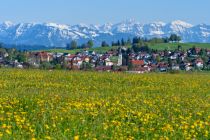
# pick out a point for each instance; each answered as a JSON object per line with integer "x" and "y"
{"x": 172, "y": 46}
{"x": 160, "y": 46}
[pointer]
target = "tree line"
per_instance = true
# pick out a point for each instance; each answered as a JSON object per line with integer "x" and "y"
{"x": 74, "y": 45}
{"x": 137, "y": 41}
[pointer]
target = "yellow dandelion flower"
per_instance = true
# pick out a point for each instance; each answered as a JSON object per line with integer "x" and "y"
{"x": 48, "y": 137}
{"x": 8, "y": 131}
{"x": 76, "y": 137}
{"x": 4, "y": 126}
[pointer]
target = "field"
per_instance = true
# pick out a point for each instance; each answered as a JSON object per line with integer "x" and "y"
{"x": 185, "y": 46}
{"x": 157, "y": 46}
{"x": 38, "y": 104}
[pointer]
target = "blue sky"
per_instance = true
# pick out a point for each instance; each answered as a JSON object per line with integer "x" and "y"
{"x": 103, "y": 11}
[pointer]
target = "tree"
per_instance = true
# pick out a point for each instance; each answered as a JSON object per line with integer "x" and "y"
{"x": 136, "y": 40}
{"x": 178, "y": 39}
{"x": 179, "y": 47}
{"x": 174, "y": 38}
{"x": 83, "y": 46}
{"x": 2, "y": 50}
{"x": 145, "y": 48}
{"x": 122, "y": 42}
{"x": 12, "y": 52}
{"x": 205, "y": 60}
{"x": 130, "y": 50}
{"x": 118, "y": 43}
{"x": 86, "y": 66}
{"x": 156, "y": 40}
{"x": 166, "y": 40}
{"x": 21, "y": 57}
{"x": 68, "y": 47}
{"x": 104, "y": 44}
{"x": 128, "y": 43}
{"x": 90, "y": 43}
{"x": 45, "y": 65}
{"x": 202, "y": 52}
{"x": 178, "y": 60}
{"x": 130, "y": 66}
{"x": 169, "y": 62}
{"x": 113, "y": 44}
{"x": 193, "y": 50}
{"x": 136, "y": 47}
{"x": 158, "y": 58}
{"x": 73, "y": 44}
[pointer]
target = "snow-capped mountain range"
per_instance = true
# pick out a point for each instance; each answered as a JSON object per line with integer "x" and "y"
{"x": 52, "y": 34}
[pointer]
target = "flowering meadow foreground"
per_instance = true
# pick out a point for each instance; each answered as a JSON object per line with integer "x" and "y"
{"x": 38, "y": 104}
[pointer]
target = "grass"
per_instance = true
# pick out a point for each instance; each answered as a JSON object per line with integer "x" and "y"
{"x": 159, "y": 46}
{"x": 185, "y": 46}
{"x": 37, "y": 104}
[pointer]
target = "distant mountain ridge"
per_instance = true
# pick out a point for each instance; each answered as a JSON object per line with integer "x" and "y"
{"x": 53, "y": 34}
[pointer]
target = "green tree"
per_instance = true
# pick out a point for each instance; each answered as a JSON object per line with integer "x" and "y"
{"x": 158, "y": 58}
{"x": 86, "y": 66}
{"x": 166, "y": 40}
{"x": 90, "y": 43}
{"x": 178, "y": 39}
{"x": 128, "y": 43}
{"x": 83, "y": 46}
{"x": 118, "y": 43}
{"x": 136, "y": 40}
{"x": 174, "y": 38}
{"x": 130, "y": 66}
{"x": 45, "y": 65}
{"x": 73, "y": 44}
{"x": 122, "y": 42}
{"x": 202, "y": 52}
{"x": 205, "y": 59}
{"x": 21, "y": 57}
{"x": 113, "y": 43}
{"x": 140, "y": 46}
{"x": 68, "y": 47}
{"x": 104, "y": 44}
{"x": 169, "y": 62}
{"x": 12, "y": 52}
{"x": 179, "y": 47}
{"x": 2, "y": 50}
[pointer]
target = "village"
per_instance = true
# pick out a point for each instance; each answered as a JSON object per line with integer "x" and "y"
{"x": 121, "y": 59}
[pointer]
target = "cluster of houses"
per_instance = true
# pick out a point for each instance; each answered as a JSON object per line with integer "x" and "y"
{"x": 164, "y": 61}
{"x": 120, "y": 60}
{"x": 78, "y": 61}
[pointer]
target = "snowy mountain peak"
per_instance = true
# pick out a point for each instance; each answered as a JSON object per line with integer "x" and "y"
{"x": 159, "y": 23}
{"x": 59, "y": 26}
{"x": 7, "y": 24}
{"x": 181, "y": 23}
{"x": 128, "y": 22}
{"x": 53, "y": 34}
